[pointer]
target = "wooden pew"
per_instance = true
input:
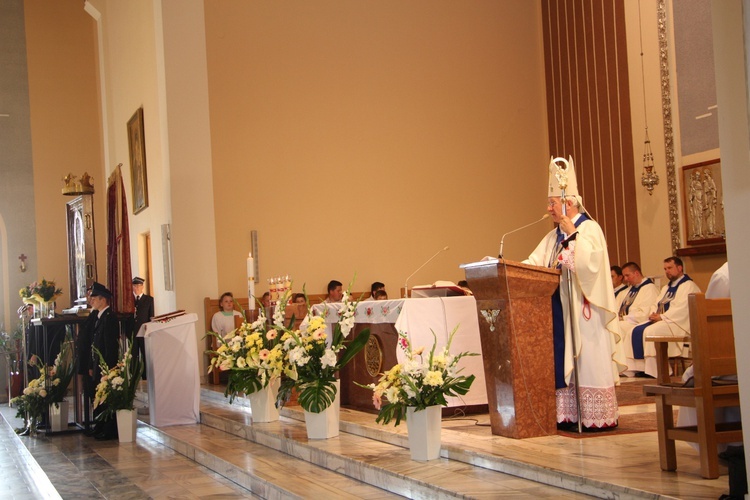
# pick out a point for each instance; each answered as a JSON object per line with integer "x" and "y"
{"x": 712, "y": 338}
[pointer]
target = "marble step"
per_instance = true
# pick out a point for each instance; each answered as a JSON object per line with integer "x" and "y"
{"x": 457, "y": 449}
{"x": 382, "y": 459}
{"x": 259, "y": 469}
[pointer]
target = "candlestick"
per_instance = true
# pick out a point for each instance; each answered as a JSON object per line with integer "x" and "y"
{"x": 251, "y": 282}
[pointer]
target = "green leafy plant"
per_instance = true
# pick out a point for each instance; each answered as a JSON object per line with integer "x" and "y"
{"x": 419, "y": 381}
{"x": 251, "y": 353}
{"x": 311, "y": 363}
{"x": 40, "y": 291}
{"x": 50, "y": 387}
{"x": 118, "y": 385}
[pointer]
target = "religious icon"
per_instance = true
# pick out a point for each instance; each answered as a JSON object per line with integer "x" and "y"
{"x": 703, "y": 205}
{"x": 136, "y": 144}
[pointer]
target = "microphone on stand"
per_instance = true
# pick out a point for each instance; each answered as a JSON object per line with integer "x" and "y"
{"x": 406, "y": 283}
{"x": 502, "y": 240}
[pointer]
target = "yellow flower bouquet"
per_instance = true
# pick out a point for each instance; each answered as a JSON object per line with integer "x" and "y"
{"x": 420, "y": 381}
{"x": 312, "y": 360}
{"x": 252, "y": 354}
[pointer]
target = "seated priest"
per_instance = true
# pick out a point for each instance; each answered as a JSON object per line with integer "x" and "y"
{"x": 668, "y": 316}
{"x": 618, "y": 281}
{"x": 634, "y": 306}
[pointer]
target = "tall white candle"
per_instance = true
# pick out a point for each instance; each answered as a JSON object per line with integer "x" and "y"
{"x": 251, "y": 281}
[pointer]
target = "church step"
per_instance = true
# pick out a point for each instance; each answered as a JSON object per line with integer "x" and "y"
{"x": 371, "y": 460}
{"x": 370, "y": 455}
{"x": 456, "y": 449}
{"x": 265, "y": 472}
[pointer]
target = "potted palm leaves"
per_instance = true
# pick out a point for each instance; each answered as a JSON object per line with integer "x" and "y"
{"x": 313, "y": 357}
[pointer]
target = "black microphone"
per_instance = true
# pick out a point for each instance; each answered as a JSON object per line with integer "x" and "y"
{"x": 502, "y": 240}
{"x": 406, "y": 283}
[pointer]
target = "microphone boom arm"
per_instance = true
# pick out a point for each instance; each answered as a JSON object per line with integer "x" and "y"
{"x": 502, "y": 240}
{"x": 406, "y": 282}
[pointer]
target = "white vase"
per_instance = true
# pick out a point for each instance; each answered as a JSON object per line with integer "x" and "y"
{"x": 58, "y": 416}
{"x": 424, "y": 432}
{"x": 126, "y": 425}
{"x": 263, "y": 403}
{"x": 325, "y": 424}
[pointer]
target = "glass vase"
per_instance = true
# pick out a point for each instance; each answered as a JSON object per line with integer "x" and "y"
{"x": 32, "y": 426}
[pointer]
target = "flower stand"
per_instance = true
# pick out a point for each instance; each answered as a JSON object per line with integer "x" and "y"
{"x": 126, "y": 425}
{"x": 424, "y": 432}
{"x": 325, "y": 424}
{"x": 58, "y": 416}
{"x": 263, "y": 403}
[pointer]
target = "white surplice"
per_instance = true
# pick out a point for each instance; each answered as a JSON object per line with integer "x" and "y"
{"x": 675, "y": 322}
{"x": 595, "y": 333}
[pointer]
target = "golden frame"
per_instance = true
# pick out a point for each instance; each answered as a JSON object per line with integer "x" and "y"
{"x": 703, "y": 203}
{"x": 137, "y": 148}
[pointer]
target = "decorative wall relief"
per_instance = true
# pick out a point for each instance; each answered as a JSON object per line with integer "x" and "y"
{"x": 703, "y": 203}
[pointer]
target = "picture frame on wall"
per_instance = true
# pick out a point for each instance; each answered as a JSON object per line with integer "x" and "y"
{"x": 137, "y": 148}
{"x": 703, "y": 203}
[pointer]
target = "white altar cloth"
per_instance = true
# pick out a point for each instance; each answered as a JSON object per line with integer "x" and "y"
{"x": 418, "y": 318}
{"x": 173, "y": 378}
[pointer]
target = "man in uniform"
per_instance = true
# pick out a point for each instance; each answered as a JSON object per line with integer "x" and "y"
{"x": 584, "y": 321}
{"x": 144, "y": 311}
{"x": 105, "y": 340}
{"x": 668, "y": 316}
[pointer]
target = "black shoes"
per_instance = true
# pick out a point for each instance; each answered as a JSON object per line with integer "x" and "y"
{"x": 567, "y": 426}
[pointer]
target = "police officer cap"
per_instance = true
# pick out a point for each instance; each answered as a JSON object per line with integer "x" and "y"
{"x": 99, "y": 290}
{"x": 138, "y": 280}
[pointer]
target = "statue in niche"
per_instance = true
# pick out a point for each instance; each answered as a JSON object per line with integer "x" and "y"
{"x": 696, "y": 198}
{"x": 710, "y": 196}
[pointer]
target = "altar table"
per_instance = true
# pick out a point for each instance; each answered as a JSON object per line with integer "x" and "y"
{"x": 419, "y": 318}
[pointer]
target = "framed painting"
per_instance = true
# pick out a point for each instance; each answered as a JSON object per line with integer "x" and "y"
{"x": 137, "y": 148}
{"x": 703, "y": 203}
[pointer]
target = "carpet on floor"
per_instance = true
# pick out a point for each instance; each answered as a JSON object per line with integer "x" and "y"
{"x": 631, "y": 392}
{"x": 628, "y": 393}
{"x": 627, "y": 424}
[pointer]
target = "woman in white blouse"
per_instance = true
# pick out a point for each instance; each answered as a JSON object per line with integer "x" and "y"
{"x": 223, "y": 321}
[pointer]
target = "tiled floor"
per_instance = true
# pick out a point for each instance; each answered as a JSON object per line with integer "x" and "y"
{"x": 78, "y": 467}
{"x": 75, "y": 466}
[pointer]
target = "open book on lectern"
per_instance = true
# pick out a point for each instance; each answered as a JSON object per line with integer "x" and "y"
{"x": 437, "y": 289}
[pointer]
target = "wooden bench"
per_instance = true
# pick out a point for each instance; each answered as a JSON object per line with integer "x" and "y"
{"x": 712, "y": 338}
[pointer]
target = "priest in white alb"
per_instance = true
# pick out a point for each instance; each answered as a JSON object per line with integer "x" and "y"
{"x": 584, "y": 321}
{"x": 635, "y": 306}
{"x": 668, "y": 316}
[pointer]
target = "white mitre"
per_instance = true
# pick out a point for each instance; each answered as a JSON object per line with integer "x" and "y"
{"x": 563, "y": 171}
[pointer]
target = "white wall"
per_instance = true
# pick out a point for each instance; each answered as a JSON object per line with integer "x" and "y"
{"x": 731, "y": 23}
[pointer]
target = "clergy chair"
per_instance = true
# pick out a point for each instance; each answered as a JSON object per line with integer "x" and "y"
{"x": 712, "y": 339}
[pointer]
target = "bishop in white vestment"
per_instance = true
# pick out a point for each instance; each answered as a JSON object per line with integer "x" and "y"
{"x": 585, "y": 322}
